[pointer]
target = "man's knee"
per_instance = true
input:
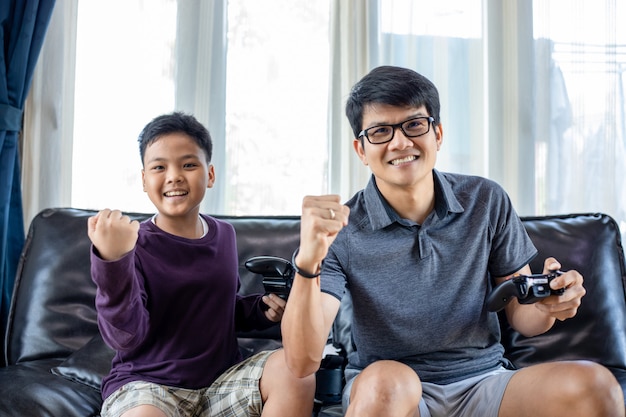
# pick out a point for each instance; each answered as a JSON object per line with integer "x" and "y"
{"x": 590, "y": 382}
{"x": 578, "y": 388}
{"x": 387, "y": 382}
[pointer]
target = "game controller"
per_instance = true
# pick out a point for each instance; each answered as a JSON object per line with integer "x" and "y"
{"x": 277, "y": 274}
{"x": 527, "y": 288}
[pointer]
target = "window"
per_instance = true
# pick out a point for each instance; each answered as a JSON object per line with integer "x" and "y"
{"x": 123, "y": 80}
{"x": 276, "y": 101}
{"x": 532, "y": 94}
{"x": 444, "y": 42}
{"x": 582, "y": 160}
{"x": 276, "y": 104}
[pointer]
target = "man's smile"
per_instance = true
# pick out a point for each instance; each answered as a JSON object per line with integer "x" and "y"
{"x": 404, "y": 160}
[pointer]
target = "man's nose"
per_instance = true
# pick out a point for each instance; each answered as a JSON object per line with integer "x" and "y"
{"x": 399, "y": 139}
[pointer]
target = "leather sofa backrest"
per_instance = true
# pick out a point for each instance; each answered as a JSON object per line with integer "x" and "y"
{"x": 590, "y": 244}
{"x": 52, "y": 312}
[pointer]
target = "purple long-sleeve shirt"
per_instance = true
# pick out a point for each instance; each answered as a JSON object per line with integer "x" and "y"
{"x": 170, "y": 308}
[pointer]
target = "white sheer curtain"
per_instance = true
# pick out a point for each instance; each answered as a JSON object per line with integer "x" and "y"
{"x": 581, "y": 45}
{"x": 354, "y": 51}
{"x": 200, "y": 76}
{"x": 49, "y": 117}
{"x": 480, "y": 77}
{"x": 477, "y": 54}
{"x": 532, "y": 94}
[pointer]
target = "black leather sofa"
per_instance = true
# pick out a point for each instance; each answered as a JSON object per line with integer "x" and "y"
{"x": 55, "y": 358}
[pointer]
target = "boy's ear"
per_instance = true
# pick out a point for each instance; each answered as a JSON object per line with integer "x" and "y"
{"x": 211, "y": 176}
{"x": 143, "y": 179}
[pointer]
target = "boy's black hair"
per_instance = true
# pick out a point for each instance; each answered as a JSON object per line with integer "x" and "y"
{"x": 176, "y": 122}
{"x": 394, "y": 86}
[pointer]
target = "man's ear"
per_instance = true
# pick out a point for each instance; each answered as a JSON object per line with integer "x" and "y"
{"x": 360, "y": 150}
{"x": 439, "y": 135}
{"x": 211, "y": 176}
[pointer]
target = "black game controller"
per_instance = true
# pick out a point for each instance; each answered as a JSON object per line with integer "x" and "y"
{"x": 527, "y": 288}
{"x": 277, "y": 274}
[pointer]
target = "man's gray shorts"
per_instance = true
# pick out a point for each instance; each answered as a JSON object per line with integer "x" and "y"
{"x": 477, "y": 396}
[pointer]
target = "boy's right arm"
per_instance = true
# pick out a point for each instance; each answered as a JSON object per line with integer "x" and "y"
{"x": 309, "y": 313}
{"x": 122, "y": 317}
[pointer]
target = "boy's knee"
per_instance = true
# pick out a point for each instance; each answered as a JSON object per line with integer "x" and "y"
{"x": 277, "y": 377}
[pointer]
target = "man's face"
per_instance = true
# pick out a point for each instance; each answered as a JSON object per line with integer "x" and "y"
{"x": 403, "y": 162}
{"x": 176, "y": 175}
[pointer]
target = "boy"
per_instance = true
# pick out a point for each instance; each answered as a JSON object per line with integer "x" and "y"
{"x": 419, "y": 250}
{"x": 167, "y": 297}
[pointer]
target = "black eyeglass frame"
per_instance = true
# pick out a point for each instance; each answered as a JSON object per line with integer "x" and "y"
{"x": 431, "y": 120}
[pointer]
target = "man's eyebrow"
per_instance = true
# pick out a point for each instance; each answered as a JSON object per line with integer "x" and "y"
{"x": 418, "y": 114}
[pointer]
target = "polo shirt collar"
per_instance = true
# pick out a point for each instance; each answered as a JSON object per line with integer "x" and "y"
{"x": 445, "y": 199}
{"x": 382, "y": 215}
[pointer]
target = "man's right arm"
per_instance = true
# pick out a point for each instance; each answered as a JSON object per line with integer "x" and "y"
{"x": 309, "y": 313}
{"x": 306, "y": 324}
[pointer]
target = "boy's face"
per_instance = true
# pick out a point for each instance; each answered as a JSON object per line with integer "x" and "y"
{"x": 404, "y": 162}
{"x": 176, "y": 175}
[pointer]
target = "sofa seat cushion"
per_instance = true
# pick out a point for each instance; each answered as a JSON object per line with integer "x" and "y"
{"x": 89, "y": 364}
{"x": 620, "y": 375}
{"x": 34, "y": 390}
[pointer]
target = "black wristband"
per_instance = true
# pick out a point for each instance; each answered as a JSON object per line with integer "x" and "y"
{"x": 298, "y": 270}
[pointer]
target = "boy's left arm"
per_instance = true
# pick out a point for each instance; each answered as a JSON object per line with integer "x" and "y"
{"x": 257, "y": 311}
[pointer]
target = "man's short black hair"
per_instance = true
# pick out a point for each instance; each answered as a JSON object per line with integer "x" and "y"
{"x": 394, "y": 86}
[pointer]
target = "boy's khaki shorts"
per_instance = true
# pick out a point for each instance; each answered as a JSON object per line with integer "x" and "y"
{"x": 235, "y": 393}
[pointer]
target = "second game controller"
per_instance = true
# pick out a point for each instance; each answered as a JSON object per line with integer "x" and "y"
{"x": 277, "y": 274}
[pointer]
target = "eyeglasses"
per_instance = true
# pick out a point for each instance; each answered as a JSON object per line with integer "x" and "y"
{"x": 411, "y": 128}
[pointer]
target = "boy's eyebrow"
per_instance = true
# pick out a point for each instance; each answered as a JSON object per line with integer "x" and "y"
{"x": 182, "y": 158}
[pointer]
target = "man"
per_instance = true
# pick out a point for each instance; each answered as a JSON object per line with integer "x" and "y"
{"x": 420, "y": 250}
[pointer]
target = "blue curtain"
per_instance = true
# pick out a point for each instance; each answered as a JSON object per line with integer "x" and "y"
{"x": 23, "y": 24}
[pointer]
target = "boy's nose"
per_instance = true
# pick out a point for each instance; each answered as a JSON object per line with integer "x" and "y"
{"x": 174, "y": 176}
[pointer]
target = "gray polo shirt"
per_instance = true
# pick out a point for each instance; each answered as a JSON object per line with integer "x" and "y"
{"x": 419, "y": 291}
